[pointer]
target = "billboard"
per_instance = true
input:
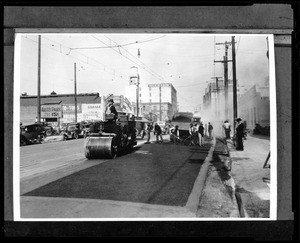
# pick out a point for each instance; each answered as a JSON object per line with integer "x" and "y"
{"x": 51, "y": 111}
{"x": 70, "y": 108}
{"x": 92, "y": 111}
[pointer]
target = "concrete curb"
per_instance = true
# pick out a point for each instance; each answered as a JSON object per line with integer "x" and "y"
{"x": 238, "y": 198}
{"x": 194, "y": 198}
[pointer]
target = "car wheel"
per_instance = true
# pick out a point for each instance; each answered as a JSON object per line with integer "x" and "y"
{"x": 41, "y": 138}
{"x": 23, "y": 142}
{"x": 48, "y": 132}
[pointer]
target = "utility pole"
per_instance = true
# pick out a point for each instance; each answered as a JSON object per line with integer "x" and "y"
{"x": 160, "y": 102}
{"x": 39, "y": 82}
{"x": 234, "y": 81}
{"x": 75, "y": 91}
{"x": 217, "y": 107}
{"x": 225, "y": 61}
{"x": 137, "y": 94}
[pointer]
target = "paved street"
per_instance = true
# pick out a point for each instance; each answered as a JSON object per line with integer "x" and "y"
{"x": 153, "y": 177}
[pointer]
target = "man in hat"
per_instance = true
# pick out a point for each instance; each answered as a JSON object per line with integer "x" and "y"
{"x": 111, "y": 109}
{"x": 239, "y": 134}
{"x": 200, "y": 134}
{"x": 227, "y": 128}
{"x": 174, "y": 135}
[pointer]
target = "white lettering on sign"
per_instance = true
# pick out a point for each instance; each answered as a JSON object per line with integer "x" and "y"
{"x": 71, "y": 108}
{"x": 50, "y": 111}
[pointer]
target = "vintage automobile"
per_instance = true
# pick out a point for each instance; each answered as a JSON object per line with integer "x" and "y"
{"x": 34, "y": 133}
{"x": 73, "y": 131}
{"x": 183, "y": 121}
{"x": 85, "y": 129}
{"x": 63, "y": 127}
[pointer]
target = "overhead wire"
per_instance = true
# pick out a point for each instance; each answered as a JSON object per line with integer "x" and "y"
{"x": 136, "y": 58}
{"x": 116, "y": 46}
{"x": 83, "y": 61}
{"x": 160, "y": 77}
{"x": 119, "y": 52}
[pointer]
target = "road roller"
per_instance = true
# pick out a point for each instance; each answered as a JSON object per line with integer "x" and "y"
{"x": 110, "y": 138}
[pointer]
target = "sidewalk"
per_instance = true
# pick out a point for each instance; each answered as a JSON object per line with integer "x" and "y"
{"x": 251, "y": 179}
{"x": 54, "y": 138}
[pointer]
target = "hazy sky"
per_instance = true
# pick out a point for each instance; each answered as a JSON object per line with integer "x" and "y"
{"x": 104, "y": 62}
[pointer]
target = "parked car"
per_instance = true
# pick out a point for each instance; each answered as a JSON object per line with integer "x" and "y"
{"x": 34, "y": 133}
{"x": 73, "y": 130}
{"x": 63, "y": 127}
{"x": 85, "y": 129}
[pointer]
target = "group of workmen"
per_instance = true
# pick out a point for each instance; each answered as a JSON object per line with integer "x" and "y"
{"x": 196, "y": 134}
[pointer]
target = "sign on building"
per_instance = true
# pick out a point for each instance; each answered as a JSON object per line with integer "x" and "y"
{"x": 92, "y": 111}
{"x": 51, "y": 111}
{"x": 70, "y": 108}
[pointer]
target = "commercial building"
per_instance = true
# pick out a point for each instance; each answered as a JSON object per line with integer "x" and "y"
{"x": 254, "y": 106}
{"x": 60, "y": 108}
{"x": 162, "y": 104}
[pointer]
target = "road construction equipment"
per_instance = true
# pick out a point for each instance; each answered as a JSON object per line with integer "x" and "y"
{"x": 110, "y": 138}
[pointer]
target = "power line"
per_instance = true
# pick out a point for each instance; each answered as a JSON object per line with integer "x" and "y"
{"x": 190, "y": 85}
{"x": 83, "y": 61}
{"x": 116, "y": 46}
{"x": 137, "y": 59}
{"x": 119, "y": 52}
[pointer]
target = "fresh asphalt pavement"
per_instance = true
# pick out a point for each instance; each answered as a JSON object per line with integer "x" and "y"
{"x": 154, "y": 174}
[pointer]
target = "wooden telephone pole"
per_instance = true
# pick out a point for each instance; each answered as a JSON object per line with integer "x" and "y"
{"x": 234, "y": 80}
{"x": 39, "y": 82}
{"x": 225, "y": 61}
{"x": 75, "y": 91}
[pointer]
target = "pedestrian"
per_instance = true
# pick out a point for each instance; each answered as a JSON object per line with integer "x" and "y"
{"x": 174, "y": 134}
{"x": 200, "y": 134}
{"x": 148, "y": 132}
{"x": 245, "y": 130}
{"x": 193, "y": 133}
{"x": 227, "y": 129}
{"x": 158, "y": 133}
{"x": 143, "y": 131}
{"x": 210, "y": 128}
{"x": 239, "y": 134}
{"x": 205, "y": 129}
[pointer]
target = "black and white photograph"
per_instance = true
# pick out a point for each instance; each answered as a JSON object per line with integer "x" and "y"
{"x": 151, "y": 126}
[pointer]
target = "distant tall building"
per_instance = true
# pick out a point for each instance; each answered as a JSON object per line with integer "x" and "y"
{"x": 162, "y": 101}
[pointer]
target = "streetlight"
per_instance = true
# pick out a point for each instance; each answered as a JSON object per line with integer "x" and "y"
{"x": 135, "y": 80}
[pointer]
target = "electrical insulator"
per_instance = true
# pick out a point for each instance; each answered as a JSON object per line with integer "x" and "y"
{"x": 139, "y": 54}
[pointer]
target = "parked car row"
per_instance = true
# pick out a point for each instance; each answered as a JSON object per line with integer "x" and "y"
{"x": 75, "y": 130}
{"x": 34, "y": 133}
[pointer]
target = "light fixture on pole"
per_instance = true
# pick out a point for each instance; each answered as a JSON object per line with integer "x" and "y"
{"x": 135, "y": 80}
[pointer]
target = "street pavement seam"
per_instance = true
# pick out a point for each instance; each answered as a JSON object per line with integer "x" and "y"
{"x": 195, "y": 196}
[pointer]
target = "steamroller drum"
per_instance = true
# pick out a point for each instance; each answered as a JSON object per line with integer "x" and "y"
{"x": 100, "y": 147}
